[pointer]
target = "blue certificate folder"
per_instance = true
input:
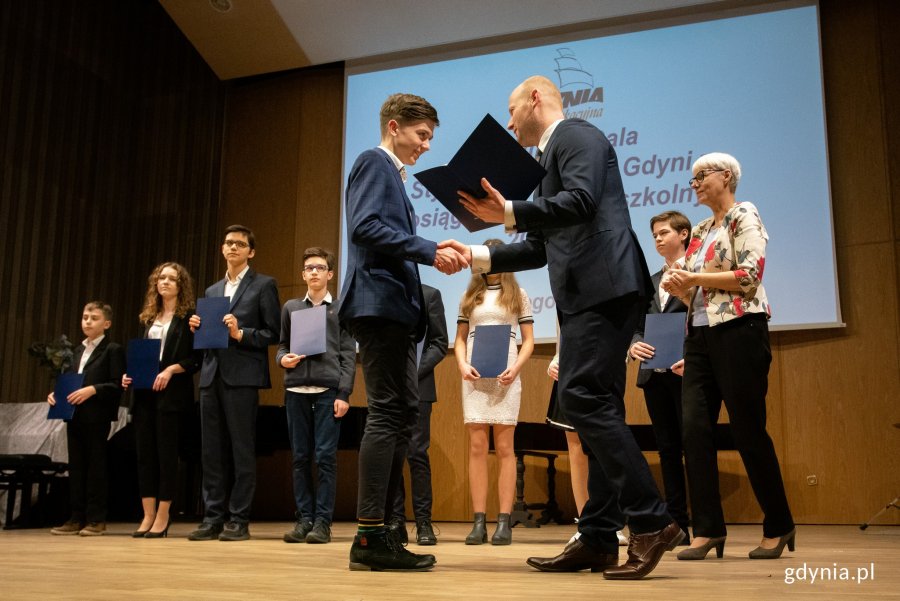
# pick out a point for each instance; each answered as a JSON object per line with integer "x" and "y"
{"x": 490, "y": 350}
{"x": 142, "y": 362}
{"x": 488, "y": 152}
{"x": 308, "y": 331}
{"x": 665, "y": 333}
{"x": 212, "y": 333}
{"x": 66, "y": 384}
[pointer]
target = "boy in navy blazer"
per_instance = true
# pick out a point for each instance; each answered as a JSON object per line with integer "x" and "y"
{"x": 383, "y": 309}
{"x": 230, "y": 380}
{"x": 96, "y": 405}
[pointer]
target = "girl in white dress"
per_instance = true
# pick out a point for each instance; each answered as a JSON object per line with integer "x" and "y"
{"x": 493, "y": 299}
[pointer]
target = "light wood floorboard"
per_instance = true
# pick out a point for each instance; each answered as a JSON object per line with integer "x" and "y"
{"x": 36, "y": 565}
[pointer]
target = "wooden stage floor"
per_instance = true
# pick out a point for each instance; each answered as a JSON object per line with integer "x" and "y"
{"x": 36, "y": 565}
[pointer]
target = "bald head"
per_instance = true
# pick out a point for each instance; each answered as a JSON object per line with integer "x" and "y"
{"x": 533, "y": 106}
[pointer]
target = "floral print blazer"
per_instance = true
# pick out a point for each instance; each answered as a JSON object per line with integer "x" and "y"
{"x": 740, "y": 247}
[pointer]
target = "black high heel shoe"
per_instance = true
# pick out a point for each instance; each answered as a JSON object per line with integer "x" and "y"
{"x": 163, "y": 534}
{"x": 788, "y": 539}
{"x": 700, "y": 552}
{"x": 139, "y": 533}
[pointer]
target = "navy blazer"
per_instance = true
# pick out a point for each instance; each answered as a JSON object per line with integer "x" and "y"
{"x": 256, "y": 307}
{"x": 578, "y": 224}
{"x": 103, "y": 371}
{"x": 382, "y": 278}
{"x": 178, "y": 395}
{"x": 673, "y": 305}
{"x": 434, "y": 347}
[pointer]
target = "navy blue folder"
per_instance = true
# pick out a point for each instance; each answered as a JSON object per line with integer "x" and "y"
{"x": 490, "y": 350}
{"x": 308, "y": 331}
{"x": 665, "y": 333}
{"x": 66, "y": 384}
{"x": 488, "y": 152}
{"x": 142, "y": 362}
{"x": 212, "y": 333}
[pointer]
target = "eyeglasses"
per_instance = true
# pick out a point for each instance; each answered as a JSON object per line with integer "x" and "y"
{"x": 701, "y": 175}
{"x": 312, "y": 268}
{"x": 236, "y": 243}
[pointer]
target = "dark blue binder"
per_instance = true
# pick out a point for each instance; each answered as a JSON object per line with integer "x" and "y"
{"x": 488, "y": 152}
{"x": 308, "y": 331}
{"x": 212, "y": 333}
{"x": 66, "y": 384}
{"x": 665, "y": 333}
{"x": 142, "y": 362}
{"x": 490, "y": 350}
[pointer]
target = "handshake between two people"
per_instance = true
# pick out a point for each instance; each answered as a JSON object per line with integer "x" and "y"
{"x": 453, "y": 256}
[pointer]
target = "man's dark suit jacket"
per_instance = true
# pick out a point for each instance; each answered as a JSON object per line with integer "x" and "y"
{"x": 382, "y": 278}
{"x": 104, "y": 372}
{"x": 178, "y": 395}
{"x": 578, "y": 224}
{"x": 674, "y": 305}
{"x": 256, "y": 307}
{"x": 435, "y": 344}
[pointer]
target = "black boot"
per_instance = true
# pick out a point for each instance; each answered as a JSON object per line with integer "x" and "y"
{"x": 503, "y": 533}
{"x": 425, "y": 533}
{"x": 397, "y": 526}
{"x": 381, "y": 552}
{"x": 478, "y": 535}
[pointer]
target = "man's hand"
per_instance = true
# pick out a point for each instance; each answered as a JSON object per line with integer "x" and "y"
{"x": 553, "y": 370}
{"x": 641, "y": 351}
{"x": 678, "y": 368}
{"x": 490, "y": 209}
{"x": 449, "y": 260}
{"x": 459, "y": 247}
{"x": 340, "y": 408}
{"x": 233, "y": 329}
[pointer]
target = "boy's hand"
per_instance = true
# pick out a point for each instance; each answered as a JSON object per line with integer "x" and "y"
{"x": 233, "y": 330}
{"x": 194, "y": 322}
{"x": 81, "y": 395}
{"x": 51, "y": 399}
{"x": 340, "y": 408}
{"x": 291, "y": 360}
{"x": 678, "y": 368}
{"x": 126, "y": 381}
{"x": 641, "y": 351}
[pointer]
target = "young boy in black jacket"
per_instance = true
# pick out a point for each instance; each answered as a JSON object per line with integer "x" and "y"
{"x": 96, "y": 405}
{"x": 317, "y": 390}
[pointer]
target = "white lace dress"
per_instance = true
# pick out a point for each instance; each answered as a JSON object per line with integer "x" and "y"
{"x": 486, "y": 401}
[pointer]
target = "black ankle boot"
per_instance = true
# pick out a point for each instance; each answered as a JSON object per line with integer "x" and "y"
{"x": 478, "y": 535}
{"x": 503, "y": 533}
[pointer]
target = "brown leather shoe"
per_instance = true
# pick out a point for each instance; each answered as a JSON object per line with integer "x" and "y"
{"x": 576, "y": 556}
{"x": 645, "y": 551}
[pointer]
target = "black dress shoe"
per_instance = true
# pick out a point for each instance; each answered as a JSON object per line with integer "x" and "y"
{"x": 398, "y": 528}
{"x": 320, "y": 533}
{"x": 644, "y": 552}
{"x": 235, "y": 531}
{"x": 425, "y": 533}
{"x": 575, "y": 557}
{"x": 206, "y": 531}
{"x": 381, "y": 552}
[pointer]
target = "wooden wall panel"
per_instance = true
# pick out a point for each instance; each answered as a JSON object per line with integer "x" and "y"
{"x": 110, "y": 148}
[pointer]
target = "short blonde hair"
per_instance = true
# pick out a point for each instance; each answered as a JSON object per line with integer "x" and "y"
{"x": 720, "y": 160}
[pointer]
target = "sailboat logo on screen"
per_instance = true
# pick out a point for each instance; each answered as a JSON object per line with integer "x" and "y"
{"x": 580, "y": 97}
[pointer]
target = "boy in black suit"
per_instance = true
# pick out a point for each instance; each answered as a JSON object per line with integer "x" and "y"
{"x": 96, "y": 404}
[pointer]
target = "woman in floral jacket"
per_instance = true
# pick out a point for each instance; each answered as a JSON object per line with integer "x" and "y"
{"x": 727, "y": 357}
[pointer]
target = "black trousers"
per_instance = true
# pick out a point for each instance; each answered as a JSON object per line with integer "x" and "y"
{"x": 387, "y": 351}
{"x": 419, "y": 470}
{"x": 156, "y": 441}
{"x": 591, "y": 393}
{"x": 228, "y": 451}
{"x": 730, "y": 362}
{"x": 88, "y": 476}
{"x": 662, "y": 393}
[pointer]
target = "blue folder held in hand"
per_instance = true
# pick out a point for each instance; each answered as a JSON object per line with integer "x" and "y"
{"x": 212, "y": 333}
{"x": 490, "y": 350}
{"x": 665, "y": 333}
{"x": 308, "y": 331}
{"x": 66, "y": 384}
{"x": 142, "y": 362}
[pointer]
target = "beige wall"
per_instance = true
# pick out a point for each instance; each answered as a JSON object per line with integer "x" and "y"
{"x": 834, "y": 394}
